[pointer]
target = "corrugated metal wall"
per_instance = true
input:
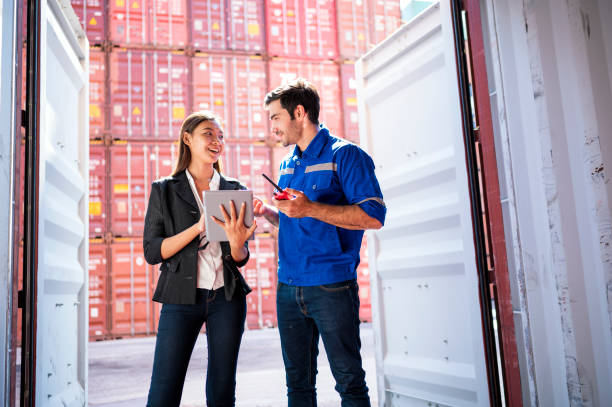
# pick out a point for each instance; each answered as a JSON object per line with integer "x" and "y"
{"x": 550, "y": 81}
{"x": 152, "y": 62}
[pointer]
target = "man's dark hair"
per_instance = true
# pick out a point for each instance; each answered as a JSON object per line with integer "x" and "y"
{"x": 294, "y": 93}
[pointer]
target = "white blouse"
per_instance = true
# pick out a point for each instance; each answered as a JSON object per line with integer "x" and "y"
{"x": 210, "y": 261}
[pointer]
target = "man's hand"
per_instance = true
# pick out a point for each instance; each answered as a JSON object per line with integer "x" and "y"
{"x": 297, "y": 207}
{"x": 350, "y": 217}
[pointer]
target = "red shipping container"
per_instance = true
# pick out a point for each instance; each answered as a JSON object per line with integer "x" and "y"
{"x": 268, "y": 308}
{"x": 208, "y": 24}
{"x": 149, "y": 94}
{"x": 363, "y": 271}
{"x": 24, "y": 29}
{"x": 211, "y": 87}
{"x": 163, "y": 157}
{"x": 320, "y": 37}
{"x": 97, "y": 67}
{"x": 98, "y": 294}
{"x": 363, "y": 275}
{"x": 133, "y": 167}
{"x": 19, "y": 277}
{"x": 239, "y": 28}
{"x": 129, "y": 183}
{"x": 249, "y": 88}
{"x": 363, "y": 280}
{"x": 325, "y": 76}
{"x": 168, "y": 23}
{"x": 21, "y": 164}
{"x": 284, "y": 20}
{"x": 353, "y": 28}
{"x": 349, "y": 103}
{"x": 129, "y": 93}
{"x": 260, "y": 275}
{"x": 129, "y": 21}
{"x": 97, "y": 190}
{"x": 160, "y": 23}
{"x": 246, "y": 163}
{"x": 387, "y": 17}
{"x": 130, "y": 290}
{"x": 365, "y": 311}
{"x": 169, "y": 82}
{"x": 246, "y": 25}
{"x": 278, "y": 154}
{"x": 302, "y": 28}
{"x": 91, "y": 16}
{"x": 21, "y": 184}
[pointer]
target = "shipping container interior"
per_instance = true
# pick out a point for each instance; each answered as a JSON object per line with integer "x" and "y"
{"x": 153, "y": 62}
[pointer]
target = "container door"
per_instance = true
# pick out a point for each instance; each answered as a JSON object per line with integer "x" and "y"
{"x": 425, "y": 297}
{"x": 62, "y": 331}
{"x": 9, "y": 162}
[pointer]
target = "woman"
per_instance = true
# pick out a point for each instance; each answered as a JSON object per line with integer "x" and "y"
{"x": 200, "y": 281}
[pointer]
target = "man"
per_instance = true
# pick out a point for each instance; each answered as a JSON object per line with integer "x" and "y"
{"x": 335, "y": 196}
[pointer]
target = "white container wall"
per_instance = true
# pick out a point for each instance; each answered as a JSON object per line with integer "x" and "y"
{"x": 424, "y": 282}
{"x": 62, "y": 323}
{"x": 8, "y": 91}
{"x": 550, "y": 78}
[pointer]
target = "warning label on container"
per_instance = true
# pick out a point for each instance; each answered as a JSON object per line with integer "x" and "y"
{"x": 94, "y": 110}
{"x": 95, "y": 208}
{"x": 178, "y": 112}
{"x": 253, "y": 29}
{"x": 121, "y": 188}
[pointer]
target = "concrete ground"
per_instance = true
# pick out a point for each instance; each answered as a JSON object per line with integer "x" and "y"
{"x": 120, "y": 370}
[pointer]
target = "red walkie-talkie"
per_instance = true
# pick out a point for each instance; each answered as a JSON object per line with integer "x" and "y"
{"x": 279, "y": 196}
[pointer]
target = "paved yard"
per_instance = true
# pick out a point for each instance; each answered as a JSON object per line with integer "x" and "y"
{"x": 119, "y": 372}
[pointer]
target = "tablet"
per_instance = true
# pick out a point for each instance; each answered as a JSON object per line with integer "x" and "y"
{"x": 212, "y": 200}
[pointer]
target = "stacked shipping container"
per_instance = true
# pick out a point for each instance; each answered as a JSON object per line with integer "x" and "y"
{"x": 234, "y": 25}
{"x": 324, "y": 74}
{"x": 152, "y": 62}
{"x": 91, "y": 14}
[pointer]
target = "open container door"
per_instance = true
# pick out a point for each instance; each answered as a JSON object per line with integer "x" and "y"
{"x": 424, "y": 280}
{"x": 61, "y": 324}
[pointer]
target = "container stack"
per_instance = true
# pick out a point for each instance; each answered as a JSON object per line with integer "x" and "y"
{"x": 152, "y": 62}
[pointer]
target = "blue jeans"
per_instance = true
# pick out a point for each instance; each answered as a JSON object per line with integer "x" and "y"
{"x": 331, "y": 311}
{"x": 179, "y": 326}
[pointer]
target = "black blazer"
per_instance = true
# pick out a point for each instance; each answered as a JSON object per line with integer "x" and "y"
{"x": 172, "y": 209}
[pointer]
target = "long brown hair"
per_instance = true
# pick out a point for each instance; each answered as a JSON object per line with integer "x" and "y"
{"x": 189, "y": 125}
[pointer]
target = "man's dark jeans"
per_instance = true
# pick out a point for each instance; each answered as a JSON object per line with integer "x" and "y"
{"x": 331, "y": 311}
{"x": 179, "y": 326}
